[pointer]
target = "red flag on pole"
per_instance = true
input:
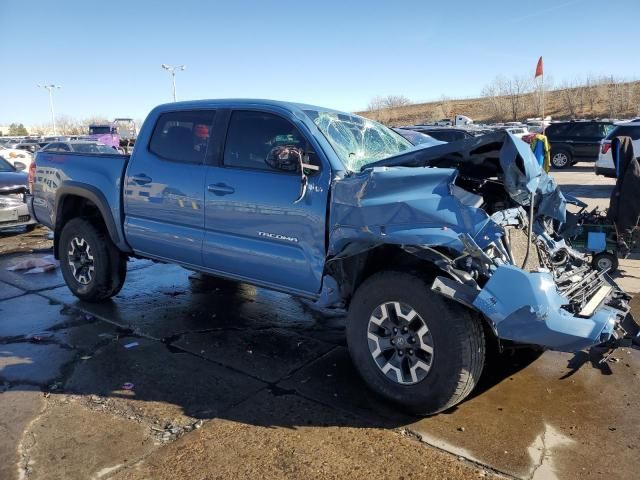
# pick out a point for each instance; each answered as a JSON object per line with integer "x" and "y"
{"x": 539, "y": 68}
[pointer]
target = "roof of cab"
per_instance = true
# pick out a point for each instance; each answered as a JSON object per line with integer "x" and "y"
{"x": 239, "y": 102}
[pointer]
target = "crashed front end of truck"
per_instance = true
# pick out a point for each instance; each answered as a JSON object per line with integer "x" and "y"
{"x": 490, "y": 219}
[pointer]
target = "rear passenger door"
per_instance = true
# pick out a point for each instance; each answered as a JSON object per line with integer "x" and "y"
{"x": 255, "y": 229}
{"x": 164, "y": 188}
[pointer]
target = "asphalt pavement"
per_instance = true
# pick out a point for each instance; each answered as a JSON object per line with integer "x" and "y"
{"x": 182, "y": 376}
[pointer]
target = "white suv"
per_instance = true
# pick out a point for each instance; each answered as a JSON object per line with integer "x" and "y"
{"x": 604, "y": 164}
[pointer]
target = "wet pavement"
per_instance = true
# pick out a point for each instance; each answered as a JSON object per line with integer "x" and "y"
{"x": 183, "y": 376}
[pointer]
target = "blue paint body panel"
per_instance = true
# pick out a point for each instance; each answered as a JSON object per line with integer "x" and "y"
{"x": 526, "y": 307}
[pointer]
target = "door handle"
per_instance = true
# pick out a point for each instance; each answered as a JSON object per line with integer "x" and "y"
{"x": 220, "y": 189}
{"x": 141, "y": 179}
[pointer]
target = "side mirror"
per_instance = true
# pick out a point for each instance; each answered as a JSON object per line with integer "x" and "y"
{"x": 305, "y": 167}
{"x": 19, "y": 166}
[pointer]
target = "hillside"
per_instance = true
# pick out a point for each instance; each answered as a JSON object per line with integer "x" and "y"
{"x": 617, "y": 100}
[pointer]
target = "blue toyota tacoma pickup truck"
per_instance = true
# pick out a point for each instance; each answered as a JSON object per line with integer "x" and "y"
{"x": 433, "y": 251}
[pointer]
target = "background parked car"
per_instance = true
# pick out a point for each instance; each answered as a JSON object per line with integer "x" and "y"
{"x": 13, "y": 155}
{"x": 444, "y": 134}
{"x": 576, "y": 141}
{"x": 604, "y": 165}
{"x": 28, "y": 144}
{"x": 79, "y": 146}
{"x": 14, "y": 211}
{"x": 418, "y": 138}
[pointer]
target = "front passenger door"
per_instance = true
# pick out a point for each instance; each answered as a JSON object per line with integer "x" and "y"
{"x": 255, "y": 229}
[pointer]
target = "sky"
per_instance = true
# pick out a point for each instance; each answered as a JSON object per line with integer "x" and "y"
{"x": 106, "y": 55}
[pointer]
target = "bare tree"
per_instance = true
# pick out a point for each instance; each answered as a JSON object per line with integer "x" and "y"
{"x": 591, "y": 93}
{"x": 375, "y": 104}
{"x": 497, "y": 103}
{"x": 507, "y": 97}
{"x": 635, "y": 98}
{"x": 515, "y": 89}
{"x": 538, "y": 93}
{"x": 445, "y": 106}
{"x": 617, "y": 94}
{"x": 390, "y": 101}
{"x": 572, "y": 98}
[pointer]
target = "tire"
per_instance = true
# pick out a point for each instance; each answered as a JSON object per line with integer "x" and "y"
{"x": 454, "y": 334}
{"x": 561, "y": 159}
{"x": 99, "y": 268}
{"x": 605, "y": 260}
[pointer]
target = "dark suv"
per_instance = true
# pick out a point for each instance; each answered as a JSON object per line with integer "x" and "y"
{"x": 576, "y": 141}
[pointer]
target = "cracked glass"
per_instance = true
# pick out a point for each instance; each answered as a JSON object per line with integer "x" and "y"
{"x": 358, "y": 141}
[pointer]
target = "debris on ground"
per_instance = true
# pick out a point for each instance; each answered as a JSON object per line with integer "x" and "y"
{"x": 36, "y": 265}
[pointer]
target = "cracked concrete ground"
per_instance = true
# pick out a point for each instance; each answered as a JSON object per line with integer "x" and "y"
{"x": 183, "y": 377}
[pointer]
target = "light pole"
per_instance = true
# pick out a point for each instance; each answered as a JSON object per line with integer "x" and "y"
{"x": 53, "y": 115}
{"x": 172, "y": 70}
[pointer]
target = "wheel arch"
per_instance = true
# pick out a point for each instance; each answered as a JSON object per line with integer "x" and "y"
{"x": 350, "y": 271}
{"x": 74, "y": 199}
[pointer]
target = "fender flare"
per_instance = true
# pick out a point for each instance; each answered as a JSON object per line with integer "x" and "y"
{"x": 91, "y": 193}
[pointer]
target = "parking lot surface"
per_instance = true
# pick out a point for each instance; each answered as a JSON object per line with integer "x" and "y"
{"x": 183, "y": 376}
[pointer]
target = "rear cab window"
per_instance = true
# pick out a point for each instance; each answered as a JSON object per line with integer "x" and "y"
{"x": 182, "y": 136}
{"x": 264, "y": 141}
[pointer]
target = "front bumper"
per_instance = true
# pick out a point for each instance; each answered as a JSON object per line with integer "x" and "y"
{"x": 526, "y": 307}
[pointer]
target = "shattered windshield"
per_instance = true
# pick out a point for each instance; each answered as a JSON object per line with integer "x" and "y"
{"x": 356, "y": 140}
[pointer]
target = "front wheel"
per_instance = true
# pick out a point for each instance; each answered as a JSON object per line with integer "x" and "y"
{"x": 411, "y": 345}
{"x": 92, "y": 266}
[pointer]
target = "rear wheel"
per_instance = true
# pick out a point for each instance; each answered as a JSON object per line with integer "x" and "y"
{"x": 561, "y": 159}
{"x": 412, "y": 346}
{"x": 92, "y": 266}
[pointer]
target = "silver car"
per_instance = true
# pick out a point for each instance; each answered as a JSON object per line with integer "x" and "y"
{"x": 13, "y": 186}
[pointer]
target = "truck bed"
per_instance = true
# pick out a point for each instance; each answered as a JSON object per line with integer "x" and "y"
{"x": 58, "y": 174}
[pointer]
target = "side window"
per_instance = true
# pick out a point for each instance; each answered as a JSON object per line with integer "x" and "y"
{"x": 586, "y": 130}
{"x": 182, "y": 136}
{"x": 52, "y": 147}
{"x": 263, "y": 141}
{"x": 558, "y": 129}
{"x": 63, "y": 147}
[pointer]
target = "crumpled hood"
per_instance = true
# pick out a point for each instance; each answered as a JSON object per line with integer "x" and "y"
{"x": 494, "y": 154}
